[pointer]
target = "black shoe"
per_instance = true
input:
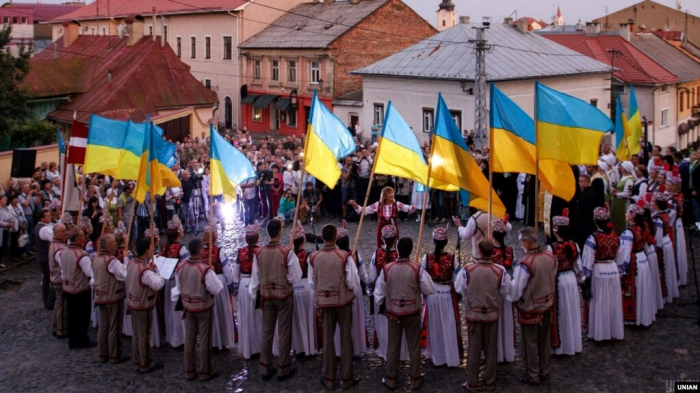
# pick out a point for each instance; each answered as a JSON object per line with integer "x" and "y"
{"x": 323, "y": 383}
{"x": 211, "y": 376}
{"x": 121, "y": 360}
{"x": 282, "y": 378}
{"x": 387, "y": 386}
{"x": 268, "y": 376}
{"x": 155, "y": 367}
{"x": 524, "y": 379}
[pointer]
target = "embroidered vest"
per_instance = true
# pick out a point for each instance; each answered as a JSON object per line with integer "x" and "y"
{"x": 638, "y": 235}
{"x": 538, "y": 295}
{"x": 565, "y": 263}
{"x": 482, "y": 293}
{"x": 606, "y": 246}
{"x": 330, "y": 279}
{"x": 108, "y": 289}
{"x": 140, "y": 296}
{"x": 215, "y": 261}
{"x": 665, "y": 221}
{"x": 246, "y": 260}
{"x": 272, "y": 268}
{"x": 503, "y": 256}
{"x": 387, "y": 213}
{"x": 74, "y": 279}
{"x": 54, "y": 268}
{"x": 172, "y": 250}
{"x": 402, "y": 280}
{"x": 303, "y": 263}
{"x": 441, "y": 271}
{"x": 384, "y": 257}
{"x": 194, "y": 294}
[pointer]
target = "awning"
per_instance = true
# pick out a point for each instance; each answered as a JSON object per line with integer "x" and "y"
{"x": 250, "y": 98}
{"x": 264, "y": 101}
{"x": 283, "y": 104}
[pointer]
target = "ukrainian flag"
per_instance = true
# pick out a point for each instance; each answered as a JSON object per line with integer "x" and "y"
{"x": 452, "y": 165}
{"x": 513, "y": 133}
{"x": 59, "y": 142}
{"x": 569, "y": 129}
{"x": 104, "y": 146}
{"x": 229, "y": 167}
{"x": 148, "y": 176}
{"x": 327, "y": 141}
{"x": 622, "y": 132}
{"x": 398, "y": 152}
{"x": 165, "y": 158}
{"x": 635, "y": 124}
{"x": 132, "y": 152}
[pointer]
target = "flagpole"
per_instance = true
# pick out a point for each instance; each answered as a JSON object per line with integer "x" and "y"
{"x": 63, "y": 167}
{"x": 211, "y": 225}
{"x": 490, "y": 164}
{"x": 105, "y": 214}
{"x": 131, "y": 220}
{"x": 301, "y": 190}
{"x": 425, "y": 200}
{"x": 153, "y": 232}
{"x": 537, "y": 167}
{"x": 364, "y": 206}
{"x": 82, "y": 191}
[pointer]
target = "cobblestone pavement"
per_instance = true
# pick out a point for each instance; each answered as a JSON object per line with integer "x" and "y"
{"x": 34, "y": 361}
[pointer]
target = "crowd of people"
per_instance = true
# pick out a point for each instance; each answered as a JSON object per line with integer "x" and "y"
{"x": 617, "y": 251}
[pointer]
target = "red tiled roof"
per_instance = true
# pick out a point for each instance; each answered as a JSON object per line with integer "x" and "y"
{"x": 634, "y": 66}
{"x": 669, "y": 35}
{"x": 44, "y": 12}
{"x": 122, "y": 8}
{"x": 145, "y": 77}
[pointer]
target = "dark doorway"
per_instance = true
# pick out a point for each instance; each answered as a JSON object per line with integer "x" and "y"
{"x": 177, "y": 129}
{"x": 228, "y": 113}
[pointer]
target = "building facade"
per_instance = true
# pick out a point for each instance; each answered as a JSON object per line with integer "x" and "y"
{"x": 203, "y": 33}
{"x": 26, "y": 21}
{"x": 315, "y": 47}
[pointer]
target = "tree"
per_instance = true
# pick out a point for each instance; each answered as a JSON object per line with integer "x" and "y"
{"x": 14, "y": 111}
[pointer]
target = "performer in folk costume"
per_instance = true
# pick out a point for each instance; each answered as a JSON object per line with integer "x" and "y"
{"x": 475, "y": 229}
{"x": 566, "y": 317}
{"x": 86, "y": 226}
{"x": 621, "y": 196}
{"x": 359, "y": 333}
{"x": 120, "y": 237}
{"x": 653, "y": 180}
{"x": 173, "y": 248}
{"x": 223, "y": 334}
{"x": 664, "y": 246}
{"x": 382, "y": 256}
{"x": 304, "y": 327}
{"x": 638, "y": 302}
{"x": 605, "y": 315}
{"x": 67, "y": 220}
{"x": 655, "y": 267}
{"x": 387, "y": 210}
{"x": 482, "y": 283}
{"x": 673, "y": 188}
{"x": 156, "y": 238}
{"x": 503, "y": 256}
{"x": 76, "y": 270}
{"x": 249, "y": 318}
{"x": 441, "y": 322}
{"x": 58, "y": 244}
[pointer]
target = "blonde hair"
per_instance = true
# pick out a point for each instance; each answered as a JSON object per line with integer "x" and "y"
{"x": 386, "y": 191}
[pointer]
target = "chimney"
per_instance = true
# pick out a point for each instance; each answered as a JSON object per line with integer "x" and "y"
{"x": 465, "y": 20}
{"x": 507, "y": 21}
{"x": 625, "y": 31}
{"x": 522, "y": 25}
{"x": 71, "y": 32}
{"x": 134, "y": 28}
{"x": 592, "y": 28}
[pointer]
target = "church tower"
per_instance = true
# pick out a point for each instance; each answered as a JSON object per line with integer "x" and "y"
{"x": 558, "y": 19}
{"x": 446, "y": 15}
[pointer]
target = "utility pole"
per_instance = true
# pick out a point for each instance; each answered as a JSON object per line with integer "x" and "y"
{"x": 613, "y": 53}
{"x": 481, "y": 46}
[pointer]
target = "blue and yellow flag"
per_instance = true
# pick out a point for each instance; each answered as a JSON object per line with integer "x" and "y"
{"x": 148, "y": 179}
{"x": 398, "y": 152}
{"x": 452, "y": 165}
{"x": 634, "y": 120}
{"x": 132, "y": 151}
{"x": 622, "y": 132}
{"x": 104, "y": 146}
{"x": 229, "y": 167}
{"x": 61, "y": 145}
{"x": 570, "y": 130}
{"x": 327, "y": 141}
{"x": 165, "y": 158}
{"x": 513, "y": 133}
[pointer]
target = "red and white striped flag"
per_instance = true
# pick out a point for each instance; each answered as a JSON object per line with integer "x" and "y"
{"x": 77, "y": 144}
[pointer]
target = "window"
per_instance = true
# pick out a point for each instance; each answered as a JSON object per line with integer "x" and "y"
{"x": 228, "y": 48}
{"x": 193, "y": 47}
{"x": 207, "y": 83}
{"x": 150, "y": 30}
{"x": 6, "y": 20}
{"x": 207, "y": 47}
{"x": 457, "y": 117}
{"x": 165, "y": 33}
{"x": 292, "y": 118}
{"x": 257, "y": 114}
{"x": 664, "y": 89}
{"x": 15, "y": 20}
{"x": 256, "y": 69}
{"x": 378, "y": 114}
{"x": 315, "y": 71}
{"x": 428, "y": 120}
{"x": 275, "y": 70}
{"x": 179, "y": 47}
{"x": 292, "y": 77}
{"x": 25, "y": 20}
{"x": 594, "y": 102}
{"x": 664, "y": 118}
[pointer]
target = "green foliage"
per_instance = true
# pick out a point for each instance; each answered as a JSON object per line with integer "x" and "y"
{"x": 15, "y": 115}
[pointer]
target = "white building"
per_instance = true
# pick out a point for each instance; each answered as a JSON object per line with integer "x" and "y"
{"x": 446, "y": 15}
{"x": 445, "y": 63}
